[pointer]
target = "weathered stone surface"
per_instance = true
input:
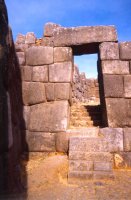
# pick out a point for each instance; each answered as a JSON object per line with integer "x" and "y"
{"x": 103, "y": 175}
{"x": 62, "y": 142}
{"x": 39, "y": 141}
{"x": 33, "y": 93}
{"x": 62, "y": 54}
{"x": 21, "y": 58}
{"x": 26, "y": 116}
{"x": 62, "y": 91}
{"x": 20, "y": 39}
{"x": 91, "y": 156}
{"x": 102, "y": 166}
{"x": 127, "y": 139}
{"x": 127, "y": 86}
{"x": 115, "y": 67}
{"x": 54, "y": 117}
{"x": 49, "y": 28}
{"x": 109, "y": 51}
{"x": 116, "y": 112}
{"x": 50, "y": 92}
{"x": 80, "y": 165}
{"x": 60, "y": 72}
{"x": 26, "y": 73}
{"x": 122, "y": 160}
{"x": 125, "y": 50}
{"x": 128, "y": 112}
{"x": 77, "y": 176}
{"x": 88, "y": 132}
{"x": 30, "y": 38}
{"x": 114, "y": 137}
{"x": 21, "y": 47}
{"x": 39, "y": 55}
{"x": 83, "y": 35}
{"x": 90, "y": 145}
{"x": 113, "y": 86}
{"x": 40, "y": 73}
{"x": 47, "y": 41}
{"x": 62, "y": 138}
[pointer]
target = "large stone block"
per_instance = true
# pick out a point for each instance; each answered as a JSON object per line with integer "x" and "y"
{"x": 26, "y": 116}
{"x": 90, "y": 145}
{"x": 122, "y": 160}
{"x": 21, "y": 47}
{"x": 49, "y": 29}
{"x": 103, "y": 166}
{"x": 115, "y": 67}
{"x": 39, "y": 55}
{"x": 33, "y": 93}
{"x": 113, "y": 85}
{"x": 62, "y": 91}
{"x": 40, "y": 73}
{"x": 116, "y": 112}
{"x": 78, "y": 176}
{"x": 127, "y": 86}
{"x": 39, "y": 141}
{"x": 60, "y": 72}
{"x": 30, "y": 38}
{"x": 127, "y": 139}
{"x": 83, "y": 35}
{"x": 91, "y": 156}
{"x": 128, "y": 112}
{"x": 80, "y": 165}
{"x": 62, "y": 138}
{"x": 49, "y": 117}
{"x": 125, "y": 50}
{"x": 101, "y": 175}
{"x": 20, "y": 39}
{"x": 47, "y": 41}
{"x": 62, "y": 54}
{"x": 114, "y": 137}
{"x": 26, "y": 73}
{"x": 109, "y": 51}
{"x": 21, "y": 58}
{"x": 50, "y": 92}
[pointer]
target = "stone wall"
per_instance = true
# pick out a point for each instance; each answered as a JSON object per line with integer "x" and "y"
{"x": 84, "y": 89}
{"x": 115, "y": 77}
{"x": 47, "y": 79}
{"x": 46, "y": 74}
{"x": 11, "y": 110}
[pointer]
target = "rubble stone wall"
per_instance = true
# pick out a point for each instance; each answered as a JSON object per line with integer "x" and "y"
{"x": 84, "y": 89}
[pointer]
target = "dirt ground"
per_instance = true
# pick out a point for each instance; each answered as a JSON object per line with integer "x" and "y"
{"x": 47, "y": 180}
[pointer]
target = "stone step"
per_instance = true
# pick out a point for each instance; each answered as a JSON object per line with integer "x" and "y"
{"x": 85, "y": 116}
{"x": 88, "y": 132}
{"x": 80, "y": 123}
{"x": 82, "y": 118}
{"x": 90, "y": 159}
{"x": 83, "y": 178}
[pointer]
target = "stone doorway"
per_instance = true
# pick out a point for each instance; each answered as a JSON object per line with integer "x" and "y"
{"x": 86, "y": 105}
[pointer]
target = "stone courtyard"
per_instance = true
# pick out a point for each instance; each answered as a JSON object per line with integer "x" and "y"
{"x": 64, "y": 136}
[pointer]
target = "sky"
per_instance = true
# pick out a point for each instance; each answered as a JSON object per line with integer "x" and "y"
{"x": 30, "y": 16}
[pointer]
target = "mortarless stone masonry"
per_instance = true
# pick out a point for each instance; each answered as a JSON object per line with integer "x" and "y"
{"x": 41, "y": 113}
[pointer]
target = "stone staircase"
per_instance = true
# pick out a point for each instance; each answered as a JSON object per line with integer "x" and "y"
{"x": 91, "y": 147}
{"x": 89, "y": 159}
{"x": 85, "y": 115}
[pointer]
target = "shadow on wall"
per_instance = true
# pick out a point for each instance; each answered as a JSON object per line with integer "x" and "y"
{"x": 12, "y": 139}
